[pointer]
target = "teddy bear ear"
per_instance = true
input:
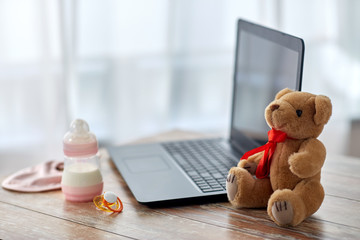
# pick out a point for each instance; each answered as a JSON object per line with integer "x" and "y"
{"x": 323, "y": 109}
{"x": 282, "y": 93}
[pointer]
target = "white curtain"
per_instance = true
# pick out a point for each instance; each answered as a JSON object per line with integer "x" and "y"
{"x": 135, "y": 68}
{"x": 32, "y": 96}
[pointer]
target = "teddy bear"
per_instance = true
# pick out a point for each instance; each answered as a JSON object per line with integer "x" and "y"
{"x": 284, "y": 175}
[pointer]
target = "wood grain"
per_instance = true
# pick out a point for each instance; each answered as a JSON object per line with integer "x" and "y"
{"x": 21, "y": 223}
{"x": 48, "y": 216}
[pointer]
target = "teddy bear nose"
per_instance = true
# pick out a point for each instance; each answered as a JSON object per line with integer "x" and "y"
{"x": 274, "y": 107}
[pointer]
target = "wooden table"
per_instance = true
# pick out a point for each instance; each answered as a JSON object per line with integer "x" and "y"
{"x": 48, "y": 216}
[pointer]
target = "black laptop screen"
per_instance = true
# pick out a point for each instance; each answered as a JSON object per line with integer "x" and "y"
{"x": 266, "y": 62}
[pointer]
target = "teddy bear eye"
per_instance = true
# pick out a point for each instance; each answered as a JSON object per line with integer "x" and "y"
{"x": 298, "y": 113}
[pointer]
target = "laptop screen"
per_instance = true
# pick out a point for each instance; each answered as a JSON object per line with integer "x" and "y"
{"x": 266, "y": 61}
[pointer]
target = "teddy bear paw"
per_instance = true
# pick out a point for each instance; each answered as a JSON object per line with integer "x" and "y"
{"x": 283, "y": 212}
{"x": 231, "y": 186}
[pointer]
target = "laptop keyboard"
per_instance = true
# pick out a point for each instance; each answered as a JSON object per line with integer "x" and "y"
{"x": 205, "y": 162}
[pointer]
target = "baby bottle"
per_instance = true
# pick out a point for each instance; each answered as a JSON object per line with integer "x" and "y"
{"x": 81, "y": 180}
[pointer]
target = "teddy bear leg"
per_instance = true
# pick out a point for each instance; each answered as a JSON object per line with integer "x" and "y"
{"x": 246, "y": 191}
{"x": 291, "y": 207}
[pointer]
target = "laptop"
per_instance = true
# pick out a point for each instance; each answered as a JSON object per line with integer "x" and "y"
{"x": 266, "y": 61}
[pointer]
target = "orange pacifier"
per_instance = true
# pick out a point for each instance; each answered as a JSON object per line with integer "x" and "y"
{"x": 108, "y": 202}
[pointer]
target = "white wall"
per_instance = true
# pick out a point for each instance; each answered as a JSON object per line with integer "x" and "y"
{"x": 134, "y": 68}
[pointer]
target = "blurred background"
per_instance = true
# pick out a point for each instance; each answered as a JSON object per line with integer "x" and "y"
{"x": 137, "y": 68}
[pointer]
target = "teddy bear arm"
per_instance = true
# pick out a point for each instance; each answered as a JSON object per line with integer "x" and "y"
{"x": 251, "y": 163}
{"x": 309, "y": 160}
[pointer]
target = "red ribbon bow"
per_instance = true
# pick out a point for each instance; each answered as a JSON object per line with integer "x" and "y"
{"x": 263, "y": 168}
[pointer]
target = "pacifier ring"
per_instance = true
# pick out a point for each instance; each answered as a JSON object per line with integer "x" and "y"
{"x": 108, "y": 202}
{"x": 118, "y": 205}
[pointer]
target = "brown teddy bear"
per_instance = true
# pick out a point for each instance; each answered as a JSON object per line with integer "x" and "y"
{"x": 289, "y": 187}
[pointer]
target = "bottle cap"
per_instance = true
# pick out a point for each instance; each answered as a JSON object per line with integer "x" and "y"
{"x": 79, "y": 141}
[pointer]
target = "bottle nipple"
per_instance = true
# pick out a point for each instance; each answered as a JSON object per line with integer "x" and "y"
{"x": 79, "y": 126}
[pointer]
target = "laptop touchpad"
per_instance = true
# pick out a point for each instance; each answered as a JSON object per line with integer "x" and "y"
{"x": 146, "y": 164}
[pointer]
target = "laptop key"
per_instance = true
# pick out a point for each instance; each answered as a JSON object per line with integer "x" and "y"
{"x": 218, "y": 175}
{"x": 213, "y": 189}
{"x": 194, "y": 174}
{"x": 205, "y": 175}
